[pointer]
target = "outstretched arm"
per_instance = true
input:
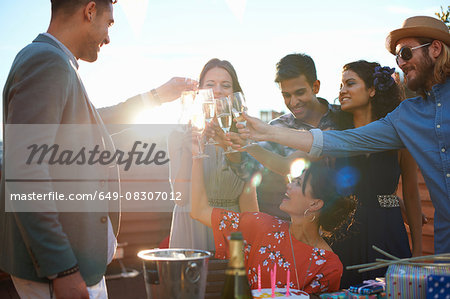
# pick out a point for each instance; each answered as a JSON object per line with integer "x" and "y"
{"x": 200, "y": 209}
{"x": 124, "y": 113}
{"x": 377, "y": 136}
{"x": 412, "y": 200}
{"x": 258, "y": 130}
{"x": 248, "y": 200}
{"x": 180, "y": 164}
{"x": 275, "y": 162}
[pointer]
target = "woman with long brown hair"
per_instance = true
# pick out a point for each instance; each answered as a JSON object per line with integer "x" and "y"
{"x": 224, "y": 189}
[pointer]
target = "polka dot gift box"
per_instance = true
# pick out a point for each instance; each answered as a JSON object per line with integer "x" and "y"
{"x": 408, "y": 281}
{"x": 438, "y": 287}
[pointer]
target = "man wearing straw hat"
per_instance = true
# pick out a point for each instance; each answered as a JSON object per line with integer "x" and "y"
{"x": 421, "y": 124}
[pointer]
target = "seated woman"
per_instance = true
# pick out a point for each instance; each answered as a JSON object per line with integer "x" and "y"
{"x": 316, "y": 208}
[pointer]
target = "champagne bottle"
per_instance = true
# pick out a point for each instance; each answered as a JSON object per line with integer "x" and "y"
{"x": 236, "y": 282}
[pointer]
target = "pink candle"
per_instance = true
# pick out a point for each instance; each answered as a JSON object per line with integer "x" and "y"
{"x": 288, "y": 282}
{"x": 274, "y": 280}
{"x": 272, "y": 283}
{"x": 275, "y": 273}
{"x": 259, "y": 278}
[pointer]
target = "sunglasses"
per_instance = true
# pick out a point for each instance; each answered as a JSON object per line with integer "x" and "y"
{"x": 406, "y": 53}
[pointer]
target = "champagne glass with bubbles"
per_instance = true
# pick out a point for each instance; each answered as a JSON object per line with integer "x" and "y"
{"x": 206, "y": 98}
{"x": 187, "y": 101}
{"x": 239, "y": 106}
{"x": 224, "y": 117}
{"x": 198, "y": 125}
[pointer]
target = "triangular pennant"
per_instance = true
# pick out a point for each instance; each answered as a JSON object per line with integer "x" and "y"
{"x": 237, "y": 7}
{"x": 135, "y": 11}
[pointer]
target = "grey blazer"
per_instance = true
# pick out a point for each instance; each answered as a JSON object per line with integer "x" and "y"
{"x": 43, "y": 87}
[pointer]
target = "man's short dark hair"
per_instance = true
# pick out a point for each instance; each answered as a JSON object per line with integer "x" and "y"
{"x": 69, "y": 6}
{"x": 295, "y": 65}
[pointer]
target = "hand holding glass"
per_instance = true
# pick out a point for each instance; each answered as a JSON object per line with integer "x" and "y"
{"x": 239, "y": 106}
{"x": 206, "y": 97}
{"x": 223, "y": 115}
{"x": 187, "y": 101}
{"x": 198, "y": 126}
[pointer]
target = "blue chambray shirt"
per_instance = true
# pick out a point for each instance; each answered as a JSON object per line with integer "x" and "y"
{"x": 423, "y": 127}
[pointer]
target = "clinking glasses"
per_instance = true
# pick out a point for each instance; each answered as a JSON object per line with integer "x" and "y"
{"x": 406, "y": 53}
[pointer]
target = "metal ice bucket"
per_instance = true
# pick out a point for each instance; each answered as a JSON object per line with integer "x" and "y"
{"x": 175, "y": 273}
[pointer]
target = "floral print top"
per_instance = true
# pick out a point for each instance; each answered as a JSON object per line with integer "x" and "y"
{"x": 266, "y": 243}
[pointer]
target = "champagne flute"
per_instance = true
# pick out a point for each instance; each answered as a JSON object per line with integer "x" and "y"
{"x": 206, "y": 97}
{"x": 223, "y": 115}
{"x": 239, "y": 106}
{"x": 198, "y": 125}
{"x": 187, "y": 101}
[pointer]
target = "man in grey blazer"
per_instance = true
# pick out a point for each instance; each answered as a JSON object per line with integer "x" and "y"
{"x": 51, "y": 253}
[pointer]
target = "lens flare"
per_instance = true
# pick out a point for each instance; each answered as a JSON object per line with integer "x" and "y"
{"x": 156, "y": 115}
{"x": 297, "y": 167}
{"x": 256, "y": 179}
{"x": 197, "y": 117}
{"x": 347, "y": 178}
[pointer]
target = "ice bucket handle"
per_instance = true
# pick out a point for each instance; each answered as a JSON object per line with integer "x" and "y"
{"x": 192, "y": 272}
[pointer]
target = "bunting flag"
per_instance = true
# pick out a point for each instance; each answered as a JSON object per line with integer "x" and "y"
{"x": 135, "y": 11}
{"x": 237, "y": 7}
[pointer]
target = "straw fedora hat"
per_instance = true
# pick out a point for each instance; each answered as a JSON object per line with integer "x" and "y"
{"x": 419, "y": 26}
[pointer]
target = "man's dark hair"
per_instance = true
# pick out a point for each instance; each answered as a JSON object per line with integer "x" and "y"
{"x": 295, "y": 65}
{"x": 69, "y": 6}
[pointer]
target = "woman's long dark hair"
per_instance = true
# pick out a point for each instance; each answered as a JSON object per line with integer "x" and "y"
{"x": 339, "y": 205}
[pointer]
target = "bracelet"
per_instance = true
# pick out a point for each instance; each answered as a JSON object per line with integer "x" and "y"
{"x": 155, "y": 96}
{"x": 67, "y": 272}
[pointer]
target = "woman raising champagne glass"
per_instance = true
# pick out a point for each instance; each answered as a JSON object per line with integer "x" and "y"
{"x": 224, "y": 189}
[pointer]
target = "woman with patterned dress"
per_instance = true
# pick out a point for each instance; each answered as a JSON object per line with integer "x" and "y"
{"x": 224, "y": 189}
{"x": 312, "y": 201}
{"x": 369, "y": 92}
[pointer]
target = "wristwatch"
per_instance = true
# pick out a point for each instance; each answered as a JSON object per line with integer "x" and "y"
{"x": 69, "y": 271}
{"x": 155, "y": 96}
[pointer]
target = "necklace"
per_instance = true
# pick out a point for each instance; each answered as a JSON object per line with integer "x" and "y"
{"x": 295, "y": 264}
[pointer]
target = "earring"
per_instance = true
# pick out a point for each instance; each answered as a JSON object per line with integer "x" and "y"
{"x": 305, "y": 213}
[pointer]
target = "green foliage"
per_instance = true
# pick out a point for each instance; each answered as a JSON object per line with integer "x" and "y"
{"x": 444, "y": 15}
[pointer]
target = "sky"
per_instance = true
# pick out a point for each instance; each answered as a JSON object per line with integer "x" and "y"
{"x": 154, "y": 40}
